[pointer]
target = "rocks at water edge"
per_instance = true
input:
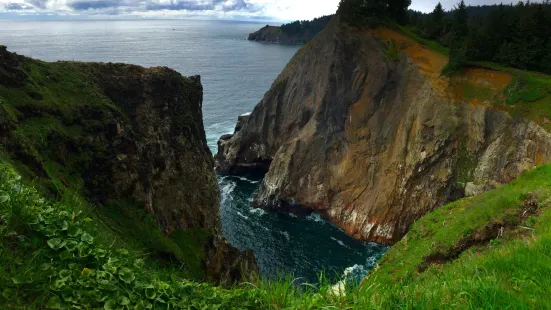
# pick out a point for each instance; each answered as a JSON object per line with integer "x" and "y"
{"x": 371, "y": 143}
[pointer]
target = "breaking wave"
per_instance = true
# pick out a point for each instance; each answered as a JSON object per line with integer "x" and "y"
{"x": 316, "y": 217}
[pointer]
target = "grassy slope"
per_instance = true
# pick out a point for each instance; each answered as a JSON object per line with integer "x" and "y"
{"x": 528, "y": 95}
{"x": 503, "y": 269}
{"x": 60, "y": 252}
{"x": 62, "y": 101}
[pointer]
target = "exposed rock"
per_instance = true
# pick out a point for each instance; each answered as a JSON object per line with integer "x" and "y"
{"x": 472, "y": 189}
{"x": 242, "y": 119}
{"x": 374, "y": 144}
{"x": 128, "y": 134}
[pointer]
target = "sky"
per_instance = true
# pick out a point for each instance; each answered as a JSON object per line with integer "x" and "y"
{"x": 275, "y": 10}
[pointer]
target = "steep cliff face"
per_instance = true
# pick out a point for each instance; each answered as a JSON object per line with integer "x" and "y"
{"x": 120, "y": 134}
{"x": 369, "y": 134}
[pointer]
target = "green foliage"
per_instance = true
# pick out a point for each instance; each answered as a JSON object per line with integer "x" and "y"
{"x": 55, "y": 256}
{"x": 513, "y": 35}
{"x": 312, "y": 27}
{"x": 527, "y": 88}
{"x": 433, "y": 45}
{"x": 372, "y": 13}
{"x": 511, "y": 271}
{"x": 392, "y": 51}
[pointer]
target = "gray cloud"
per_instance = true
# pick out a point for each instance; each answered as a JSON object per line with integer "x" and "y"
{"x": 194, "y": 5}
{"x": 30, "y": 5}
{"x": 152, "y": 5}
{"x": 14, "y": 6}
{"x": 87, "y": 5}
{"x": 41, "y": 4}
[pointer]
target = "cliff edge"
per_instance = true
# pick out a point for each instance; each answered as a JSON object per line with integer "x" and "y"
{"x": 128, "y": 139}
{"x": 362, "y": 128}
{"x": 297, "y": 32}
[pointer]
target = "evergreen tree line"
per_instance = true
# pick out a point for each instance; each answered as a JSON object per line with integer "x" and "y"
{"x": 301, "y": 26}
{"x": 515, "y": 35}
{"x": 374, "y": 12}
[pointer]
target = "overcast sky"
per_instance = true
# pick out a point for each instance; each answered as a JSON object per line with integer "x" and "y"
{"x": 224, "y": 9}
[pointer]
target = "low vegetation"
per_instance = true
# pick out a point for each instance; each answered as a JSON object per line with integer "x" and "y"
{"x": 490, "y": 250}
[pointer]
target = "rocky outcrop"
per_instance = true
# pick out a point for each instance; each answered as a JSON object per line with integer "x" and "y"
{"x": 274, "y": 34}
{"x": 372, "y": 143}
{"x": 120, "y": 132}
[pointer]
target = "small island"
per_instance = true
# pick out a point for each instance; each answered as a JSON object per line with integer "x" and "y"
{"x": 297, "y": 32}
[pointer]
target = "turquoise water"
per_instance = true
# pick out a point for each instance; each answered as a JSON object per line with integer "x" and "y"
{"x": 235, "y": 74}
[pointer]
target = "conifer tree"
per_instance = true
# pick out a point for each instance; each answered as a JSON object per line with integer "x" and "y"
{"x": 435, "y": 24}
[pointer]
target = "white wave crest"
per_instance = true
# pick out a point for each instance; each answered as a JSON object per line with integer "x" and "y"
{"x": 354, "y": 271}
{"x": 316, "y": 217}
{"x": 242, "y": 215}
{"x": 285, "y": 234}
{"x": 339, "y": 242}
{"x": 246, "y": 180}
{"x": 257, "y": 211}
{"x": 226, "y": 190}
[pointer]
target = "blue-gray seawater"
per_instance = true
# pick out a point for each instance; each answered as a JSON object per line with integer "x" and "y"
{"x": 235, "y": 74}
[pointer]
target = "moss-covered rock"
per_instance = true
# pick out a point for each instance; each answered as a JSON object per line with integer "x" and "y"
{"x": 117, "y": 132}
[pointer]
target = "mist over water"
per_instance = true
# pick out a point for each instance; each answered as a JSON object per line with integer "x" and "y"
{"x": 235, "y": 74}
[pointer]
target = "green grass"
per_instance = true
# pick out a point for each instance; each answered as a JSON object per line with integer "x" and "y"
{"x": 433, "y": 45}
{"x": 511, "y": 271}
{"x": 392, "y": 52}
{"x": 60, "y": 253}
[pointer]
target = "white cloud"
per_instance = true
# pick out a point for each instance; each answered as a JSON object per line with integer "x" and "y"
{"x": 268, "y": 9}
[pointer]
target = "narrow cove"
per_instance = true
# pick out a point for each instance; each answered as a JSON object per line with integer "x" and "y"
{"x": 303, "y": 247}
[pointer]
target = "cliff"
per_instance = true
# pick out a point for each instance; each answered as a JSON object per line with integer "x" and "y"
{"x": 298, "y": 32}
{"x": 362, "y": 128}
{"x": 127, "y": 139}
{"x": 274, "y": 34}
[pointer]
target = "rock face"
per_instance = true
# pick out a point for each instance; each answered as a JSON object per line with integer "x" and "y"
{"x": 371, "y": 143}
{"x": 127, "y": 134}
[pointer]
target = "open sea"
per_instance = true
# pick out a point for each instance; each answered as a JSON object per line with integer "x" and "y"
{"x": 235, "y": 74}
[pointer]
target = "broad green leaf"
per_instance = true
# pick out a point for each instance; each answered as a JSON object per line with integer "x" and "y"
{"x": 65, "y": 255}
{"x": 150, "y": 293}
{"x": 64, "y": 274}
{"x": 56, "y": 243}
{"x": 111, "y": 304}
{"x": 123, "y": 300}
{"x": 100, "y": 253}
{"x": 54, "y": 303}
{"x": 74, "y": 231}
{"x": 126, "y": 275}
{"x": 4, "y": 197}
{"x": 109, "y": 267}
{"x": 71, "y": 245}
{"x": 85, "y": 273}
{"x": 7, "y": 293}
{"x": 86, "y": 238}
{"x": 20, "y": 279}
{"x": 63, "y": 225}
{"x": 45, "y": 267}
{"x": 83, "y": 250}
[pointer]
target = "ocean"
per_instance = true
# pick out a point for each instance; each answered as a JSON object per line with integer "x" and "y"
{"x": 235, "y": 74}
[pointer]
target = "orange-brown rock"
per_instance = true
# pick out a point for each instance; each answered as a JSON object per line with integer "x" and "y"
{"x": 373, "y": 144}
